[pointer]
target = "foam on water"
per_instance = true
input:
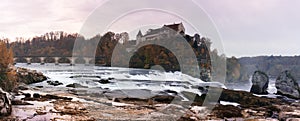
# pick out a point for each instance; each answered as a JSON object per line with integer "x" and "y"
{"x": 123, "y": 78}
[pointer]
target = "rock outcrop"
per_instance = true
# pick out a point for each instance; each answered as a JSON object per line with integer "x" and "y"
{"x": 287, "y": 85}
{"x": 103, "y": 81}
{"x": 260, "y": 81}
{"x": 5, "y": 103}
{"x": 76, "y": 85}
{"x": 29, "y": 76}
{"x": 54, "y": 83}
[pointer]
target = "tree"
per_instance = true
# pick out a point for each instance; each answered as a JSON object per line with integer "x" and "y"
{"x": 6, "y": 56}
{"x": 7, "y": 75}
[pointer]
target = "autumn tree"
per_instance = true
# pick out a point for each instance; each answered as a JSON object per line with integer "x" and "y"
{"x": 7, "y": 75}
{"x": 6, "y": 57}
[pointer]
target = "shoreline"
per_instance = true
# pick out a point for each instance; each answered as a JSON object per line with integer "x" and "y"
{"x": 234, "y": 105}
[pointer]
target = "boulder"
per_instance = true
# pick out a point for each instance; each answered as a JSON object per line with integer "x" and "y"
{"x": 245, "y": 99}
{"x": 27, "y": 95}
{"x": 5, "y": 103}
{"x": 47, "y": 97}
{"x": 27, "y": 76}
{"x": 227, "y": 111}
{"x": 54, "y": 83}
{"x": 287, "y": 85}
{"x": 260, "y": 81}
{"x": 36, "y": 95}
{"x": 103, "y": 81}
{"x": 196, "y": 98}
{"x": 69, "y": 107}
{"x": 76, "y": 85}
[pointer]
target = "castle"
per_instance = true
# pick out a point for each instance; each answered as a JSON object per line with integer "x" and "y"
{"x": 200, "y": 45}
{"x": 163, "y": 32}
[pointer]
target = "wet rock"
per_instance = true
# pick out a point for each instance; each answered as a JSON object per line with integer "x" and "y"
{"x": 54, "y": 83}
{"x": 171, "y": 92}
{"x": 135, "y": 101}
{"x": 103, "y": 81}
{"x": 196, "y": 98}
{"x": 20, "y": 102}
{"x": 36, "y": 95}
{"x": 56, "y": 97}
{"x": 110, "y": 78}
{"x": 226, "y": 111}
{"x": 5, "y": 103}
{"x": 260, "y": 81}
{"x": 29, "y": 76}
{"x": 27, "y": 95}
{"x": 39, "y": 86}
{"x": 78, "y": 92}
{"x": 23, "y": 88}
{"x": 293, "y": 119}
{"x": 287, "y": 85}
{"x": 76, "y": 85}
{"x": 202, "y": 89}
{"x": 47, "y": 97}
{"x": 289, "y": 111}
{"x": 174, "y": 109}
{"x": 129, "y": 93}
{"x": 40, "y": 112}
{"x": 288, "y": 114}
{"x": 246, "y": 99}
{"x": 84, "y": 76}
{"x": 69, "y": 107}
{"x": 164, "y": 98}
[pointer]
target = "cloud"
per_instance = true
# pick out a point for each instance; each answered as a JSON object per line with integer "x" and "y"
{"x": 34, "y": 17}
{"x": 243, "y": 25}
{"x": 252, "y": 27}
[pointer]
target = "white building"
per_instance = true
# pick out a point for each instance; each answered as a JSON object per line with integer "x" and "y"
{"x": 163, "y": 32}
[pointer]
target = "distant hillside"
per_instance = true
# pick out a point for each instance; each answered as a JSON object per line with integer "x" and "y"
{"x": 272, "y": 65}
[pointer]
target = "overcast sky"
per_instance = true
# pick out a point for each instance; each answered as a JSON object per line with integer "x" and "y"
{"x": 247, "y": 27}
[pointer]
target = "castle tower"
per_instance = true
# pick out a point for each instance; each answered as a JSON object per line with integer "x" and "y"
{"x": 139, "y": 37}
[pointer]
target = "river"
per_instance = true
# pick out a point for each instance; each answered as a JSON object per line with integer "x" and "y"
{"x": 123, "y": 79}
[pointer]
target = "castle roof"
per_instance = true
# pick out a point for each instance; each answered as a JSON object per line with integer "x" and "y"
{"x": 140, "y": 33}
{"x": 175, "y": 27}
{"x": 153, "y": 31}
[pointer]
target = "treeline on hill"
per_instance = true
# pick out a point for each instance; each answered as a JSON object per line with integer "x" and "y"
{"x": 272, "y": 65}
{"x": 62, "y": 44}
{"x": 241, "y": 69}
{"x": 7, "y": 74}
{"x": 49, "y": 44}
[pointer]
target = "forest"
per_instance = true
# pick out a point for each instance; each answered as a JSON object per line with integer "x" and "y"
{"x": 62, "y": 44}
{"x": 237, "y": 69}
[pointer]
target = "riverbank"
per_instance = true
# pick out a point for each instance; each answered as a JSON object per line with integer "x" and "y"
{"x": 120, "y": 94}
{"x": 233, "y": 105}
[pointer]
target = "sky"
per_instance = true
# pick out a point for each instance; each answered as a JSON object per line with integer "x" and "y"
{"x": 246, "y": 28}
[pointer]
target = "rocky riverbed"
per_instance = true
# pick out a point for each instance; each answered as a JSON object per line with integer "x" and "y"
{"x": 32, "y": 105}
{"x": 83, "y": 95}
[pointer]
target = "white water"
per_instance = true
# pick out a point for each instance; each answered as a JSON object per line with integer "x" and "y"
{"x": 246, "y": 86}
{"x": 124, "y": 78}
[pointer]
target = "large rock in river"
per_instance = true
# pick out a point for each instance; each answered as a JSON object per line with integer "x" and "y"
{"x": 260, "y": 81}
{"x": 29, "y": 76}
{"x": 5, "y": 103}
{"x": 287, "y": 85}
